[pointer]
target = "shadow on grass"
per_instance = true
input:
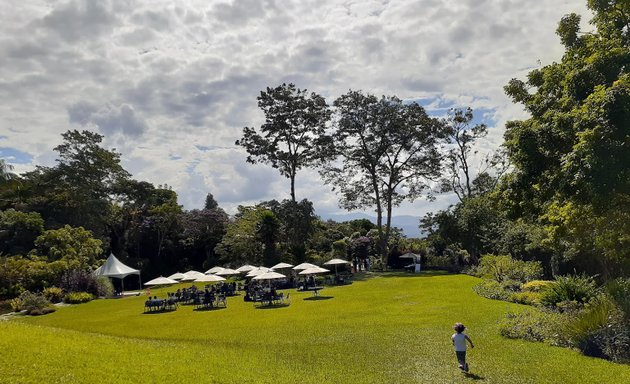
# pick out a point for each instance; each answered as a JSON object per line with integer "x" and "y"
{"x": 472, "y": 376}
{"x": 316, "y": 298}
{"x": 158, "y": 312}
{"x": 208, "y": 309}
{"x": 272, "y": 306}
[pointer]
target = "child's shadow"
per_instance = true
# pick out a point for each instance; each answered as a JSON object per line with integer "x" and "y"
{"x": 473, "y": 376}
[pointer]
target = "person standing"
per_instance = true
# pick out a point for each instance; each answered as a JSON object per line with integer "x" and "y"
{"x": 459, "y": 339}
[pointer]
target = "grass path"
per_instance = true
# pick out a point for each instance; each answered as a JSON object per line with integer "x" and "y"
{"x": 386, "y": 329}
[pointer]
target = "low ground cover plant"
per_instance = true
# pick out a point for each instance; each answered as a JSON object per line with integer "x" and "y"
{"x": 78, "y": 297}
{"x": 34, "y": 304}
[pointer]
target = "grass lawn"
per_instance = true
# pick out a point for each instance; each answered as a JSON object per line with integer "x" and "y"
{"x": 392, "y": 328}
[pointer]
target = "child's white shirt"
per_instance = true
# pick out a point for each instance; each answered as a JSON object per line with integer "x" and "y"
{"x": 459, "y": 340}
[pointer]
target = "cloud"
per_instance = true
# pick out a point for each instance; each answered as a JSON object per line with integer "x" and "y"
{"x": 109, "y": 119}
{"x": 171, "y": 85}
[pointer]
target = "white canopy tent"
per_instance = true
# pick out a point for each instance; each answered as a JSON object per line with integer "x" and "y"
{"x": 115, "y": 268}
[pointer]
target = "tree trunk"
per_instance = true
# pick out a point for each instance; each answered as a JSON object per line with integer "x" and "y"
{"x": 293, "y": 188}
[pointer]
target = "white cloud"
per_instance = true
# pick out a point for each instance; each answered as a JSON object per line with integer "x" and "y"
{"x": 163, "y": 79}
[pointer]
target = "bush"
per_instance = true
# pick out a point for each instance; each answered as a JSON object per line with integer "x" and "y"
{"x": 78, "y": 297}
{"x": 536, "y": 285}
{"x": 535, "y": 325}
{"x": 53, "y": 294}
{"x": 503, "y": 268}
{"x": 527, "y": 298}
{"x": 447, "y": 262}
{"x": 33, "y": 303}
{"x": 492, "y": 290}
{"x": 104, "y": 287}
{"x": 579, "y": 289}
{"x": 77, "y": 280}
{"x": 16, "y": 304}
{"x": 599, "y": 330}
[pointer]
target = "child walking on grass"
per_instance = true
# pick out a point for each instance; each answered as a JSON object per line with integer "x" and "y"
{"x": 459, "y": 342}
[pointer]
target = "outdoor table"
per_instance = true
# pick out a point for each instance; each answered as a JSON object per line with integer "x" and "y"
{"x": 315, "y": 290}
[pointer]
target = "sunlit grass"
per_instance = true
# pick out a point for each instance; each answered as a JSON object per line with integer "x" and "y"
{"x": 385, "y": 329}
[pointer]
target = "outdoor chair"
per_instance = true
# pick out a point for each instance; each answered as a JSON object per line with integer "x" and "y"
{"x": 221, "y": 301}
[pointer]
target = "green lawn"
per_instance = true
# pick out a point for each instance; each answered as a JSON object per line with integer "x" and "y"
{"x": 385, "y": 329}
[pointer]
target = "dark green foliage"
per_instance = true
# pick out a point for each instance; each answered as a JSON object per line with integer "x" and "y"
{"x": 571, "y": 158}
{"x": 292, "y": 136}
{"x": 388, "y": 151}
{"x": 18, "y": 231}
{"x": 572, "y": 288}
{"x": 619, "y": 291}
{"x": 78, "y": 297}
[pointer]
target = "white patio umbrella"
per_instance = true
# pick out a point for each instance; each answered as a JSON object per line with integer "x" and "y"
{"x": 208, "y": 279}
{"x": 270, "y": 275}
{"x": 281, "y": 266}
{"x": 314, "y": 270}
{"x": 304, "y": 266}
{"x": 227, "y": 272}
{"x": 161, "y": 281}
{"x": 214, "y": 270}
{"x": 245, "y": 268}
{"x": 257, "y": 271}
{"x": 192, "y": 275}
{"x": 177, "y": 276}
{"x": 336, "y": 262}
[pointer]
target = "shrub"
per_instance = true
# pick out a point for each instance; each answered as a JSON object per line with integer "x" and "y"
{"x": 492, "y": 290}
{"x": 619, "y": 290}
{"x": 33, "y": 303}
{"x": 599, "y": 330}
{"x": 527, "y": 298}
{"x": 536, "y": 285}
{"x": 447, "y": 262}
{"x": 104, "y": 287}
{"x": 580, "y": 289}
{"x": 16, "y": 304}
{"x": 53, "y": 294}
{"x": 503, "y": 268}
{"x": 78, "y": 280}
{"x": 78, "y": 297}
{"x": 535, "y": 325}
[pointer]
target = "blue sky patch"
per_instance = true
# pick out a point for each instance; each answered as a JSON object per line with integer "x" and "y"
{"x": 15, "y": 156}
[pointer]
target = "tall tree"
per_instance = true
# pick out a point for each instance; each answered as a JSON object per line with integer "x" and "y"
{"x": 388, "y": 151}
{"x": 290, "y": 138}
{"x": 462, "y": 136}
{"x": 572, "y": 156}
{"x": 268, "y": 232}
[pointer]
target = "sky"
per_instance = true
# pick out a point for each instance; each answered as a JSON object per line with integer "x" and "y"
{"x": 171, "y": 84}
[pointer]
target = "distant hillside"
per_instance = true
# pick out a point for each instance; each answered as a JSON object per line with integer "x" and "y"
{"x": 409, "y": 224}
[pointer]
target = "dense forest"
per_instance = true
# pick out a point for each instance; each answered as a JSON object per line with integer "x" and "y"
{"x": 556, "y": 192}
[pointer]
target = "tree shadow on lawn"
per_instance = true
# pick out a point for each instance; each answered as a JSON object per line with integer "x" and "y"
{"x": 316, "y": 298}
